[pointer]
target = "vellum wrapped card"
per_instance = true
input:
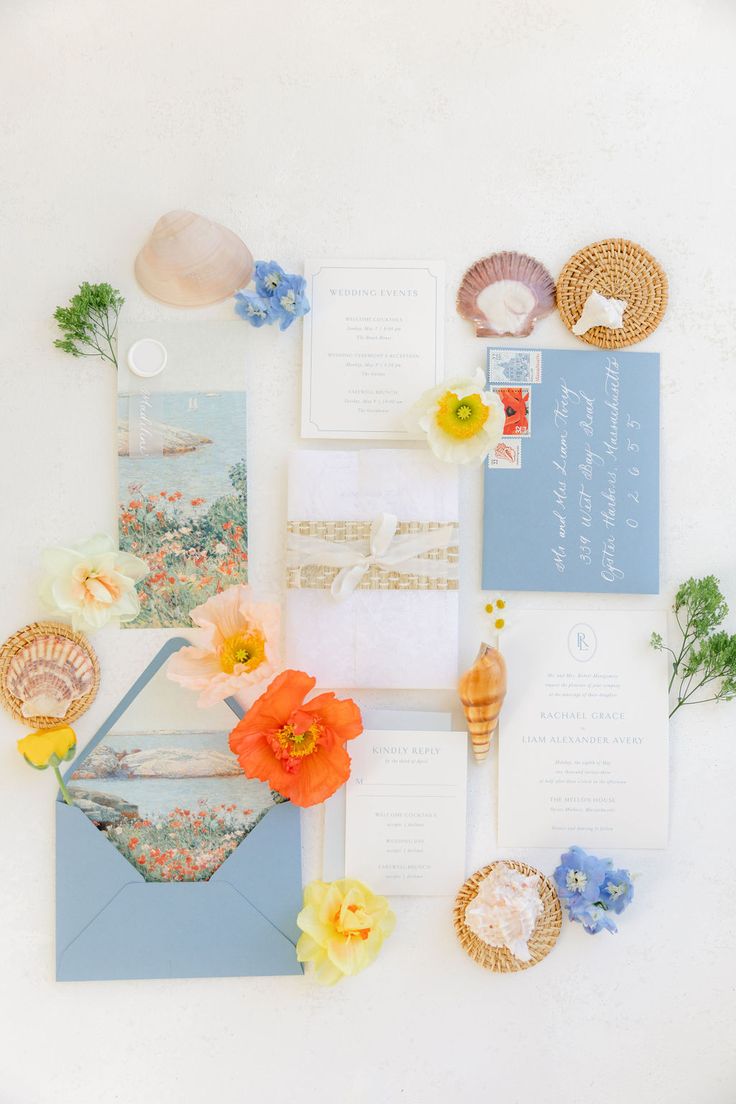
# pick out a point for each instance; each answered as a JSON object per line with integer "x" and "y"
{"x": 372, "y": 566}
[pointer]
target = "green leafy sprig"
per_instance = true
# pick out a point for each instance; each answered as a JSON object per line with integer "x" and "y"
{"x": 90, "y": 322}
{"x": 705, "y": 664}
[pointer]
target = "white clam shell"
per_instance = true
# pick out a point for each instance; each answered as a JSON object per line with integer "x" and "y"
{"x": 48, "y": 675}
{"x": 191, "y": 261}
{"x": 598, "y": 310}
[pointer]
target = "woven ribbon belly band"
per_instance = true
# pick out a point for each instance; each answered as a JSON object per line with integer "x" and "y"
{"x": 385, "y": 554}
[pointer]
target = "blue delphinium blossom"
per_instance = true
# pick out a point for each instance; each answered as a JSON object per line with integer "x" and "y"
{"x": 290, "y": 301}
{"x": 254, "y": 308}
{"x": 269, "y": 277}
{"x": 617, "y": 890}
{"x": 579, "y": 876}
{"x": 593, "y": 917}
{"x": 590, "y": 889}
{"x": 279, "y": 297}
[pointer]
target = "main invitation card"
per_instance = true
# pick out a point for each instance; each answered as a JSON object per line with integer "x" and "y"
{"x": 405, "y": 811}
{"x": 583, "y": 745}
{"x": 572, "y": 491}
{"x": 373, "y": 342}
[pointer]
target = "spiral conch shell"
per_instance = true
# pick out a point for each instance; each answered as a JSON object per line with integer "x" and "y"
{"x": 482, "y": 689}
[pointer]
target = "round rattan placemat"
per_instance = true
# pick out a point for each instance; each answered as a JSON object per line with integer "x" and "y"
{"x": 618, "y": 269}
{"x": 22, "y": 639}
{"x": 499, "y": 959}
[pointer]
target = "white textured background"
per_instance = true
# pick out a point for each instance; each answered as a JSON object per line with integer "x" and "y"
{"x": 383, "y": 128}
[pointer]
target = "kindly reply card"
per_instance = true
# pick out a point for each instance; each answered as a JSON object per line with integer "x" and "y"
{"x": 583, "y": 745}
{"x": 572, "y": 491}
{"x": 373, "y": 342}
{"x": 405, "y": 811}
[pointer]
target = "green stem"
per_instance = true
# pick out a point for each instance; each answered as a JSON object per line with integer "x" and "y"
{"x": 64, "y": 791}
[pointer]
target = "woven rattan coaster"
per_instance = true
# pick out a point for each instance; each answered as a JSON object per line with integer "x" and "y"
{"x": 48, "y": 637}
{"x": 499, "y": 959}
{"x": 618, "y": 269}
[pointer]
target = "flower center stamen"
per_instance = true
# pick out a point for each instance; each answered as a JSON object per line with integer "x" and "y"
{"x": 297, "y": 745}
{"x": 461, "y": 418}
{"x": 576, "y": 880}
{"x": 246, "y": 650}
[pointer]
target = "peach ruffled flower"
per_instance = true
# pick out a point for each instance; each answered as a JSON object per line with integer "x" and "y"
{"x": 91, "y": 583}
{"x": 297, "y": 746}
{"x": 239, "y": 648}
{"x": 344, "y": 927}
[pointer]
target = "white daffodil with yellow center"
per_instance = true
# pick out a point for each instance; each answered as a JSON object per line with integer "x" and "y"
{"x": 462, "y": 421}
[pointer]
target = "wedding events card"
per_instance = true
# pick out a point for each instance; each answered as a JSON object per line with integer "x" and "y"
{"x": 405, "y": 811}
{"x": 572, "y": 492}
{"x": 373, "y": 342}
{"x": 583, "y": 745}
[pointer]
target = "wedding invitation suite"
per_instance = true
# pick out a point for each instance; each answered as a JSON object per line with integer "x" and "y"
{"x": 373, "y": 342}
{"x": 583, "y": 744}
{"x": 372, "y": 551}
{"x": 572, "y": 491}
{"x": 405, "y": 811}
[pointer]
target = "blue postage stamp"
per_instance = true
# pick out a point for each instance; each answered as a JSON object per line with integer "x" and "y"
{"x": 515, "y": 366}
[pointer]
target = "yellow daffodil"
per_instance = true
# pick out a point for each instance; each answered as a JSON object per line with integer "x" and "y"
{"x": 344, "y": 927}
{"x": 461, "y": 419}
{"x": 49, "y": 748}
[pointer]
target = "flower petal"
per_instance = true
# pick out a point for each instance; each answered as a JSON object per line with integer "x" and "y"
{"x": 341, "y": 715}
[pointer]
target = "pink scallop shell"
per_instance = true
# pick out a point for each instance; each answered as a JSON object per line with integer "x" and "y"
{"x": 505, "y": 266}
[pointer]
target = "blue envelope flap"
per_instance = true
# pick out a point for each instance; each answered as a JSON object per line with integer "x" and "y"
{"x": 89, "y": 872}
{"x": 266, "y": 868}
{"x": 177, "y": 929}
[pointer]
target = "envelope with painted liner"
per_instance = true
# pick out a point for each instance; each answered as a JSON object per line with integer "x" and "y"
{"x": 111, "y": 923}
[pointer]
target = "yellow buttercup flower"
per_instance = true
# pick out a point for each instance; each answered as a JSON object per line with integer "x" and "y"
{"x": 40, "y": 749}
{"x": 344, "y": 927}
{"x": 48, "y": 748}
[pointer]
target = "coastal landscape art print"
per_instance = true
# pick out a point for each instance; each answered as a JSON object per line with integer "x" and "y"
{"x": 175, "y": 804}
{"x": 183, "y": 497}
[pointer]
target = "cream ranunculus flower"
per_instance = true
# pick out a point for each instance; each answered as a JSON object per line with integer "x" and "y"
{"x": 463, "y": 422}
{"x": 344, "y": 927}
{"x": 92, "y": 582}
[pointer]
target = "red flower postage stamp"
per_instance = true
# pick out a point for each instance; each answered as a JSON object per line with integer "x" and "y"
{"x": 518, "y": 410}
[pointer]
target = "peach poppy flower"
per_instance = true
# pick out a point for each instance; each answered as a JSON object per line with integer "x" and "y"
{"x": 297, "y": 747}
{"x": 239, "y": 652}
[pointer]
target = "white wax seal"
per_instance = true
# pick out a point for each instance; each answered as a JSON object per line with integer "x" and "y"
{"x": 147, "y": 357}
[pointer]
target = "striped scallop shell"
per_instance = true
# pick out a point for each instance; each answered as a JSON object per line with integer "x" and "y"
{"x": 48, "y": 675}
{"x": 505, "y": 294}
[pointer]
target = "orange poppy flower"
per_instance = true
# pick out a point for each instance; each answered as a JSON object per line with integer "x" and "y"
{"x": 297, "y": 747}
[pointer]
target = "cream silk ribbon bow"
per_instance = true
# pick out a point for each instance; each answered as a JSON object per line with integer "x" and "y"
{"x": 384, "y": 549}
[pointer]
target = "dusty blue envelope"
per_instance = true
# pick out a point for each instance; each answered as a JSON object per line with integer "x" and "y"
{"x": 111, "y": 923}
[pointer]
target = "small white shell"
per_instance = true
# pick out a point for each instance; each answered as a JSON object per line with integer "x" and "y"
{"x": 48, "y": 675}
{"x": 505, "y": 294}
{"x": 506, "y": 909}
{"x": 598, "y": 310}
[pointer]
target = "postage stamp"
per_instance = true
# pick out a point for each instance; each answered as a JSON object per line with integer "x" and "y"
{"x": 514, "y": 366}
{"x": 518, "y": 410}
{"x": 507, "y": 454}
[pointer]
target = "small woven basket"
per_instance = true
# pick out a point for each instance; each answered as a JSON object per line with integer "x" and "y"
{"x": 22, "y": 639}
{"x": 500, "y": 959}
{"x": 618, "y": 269}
